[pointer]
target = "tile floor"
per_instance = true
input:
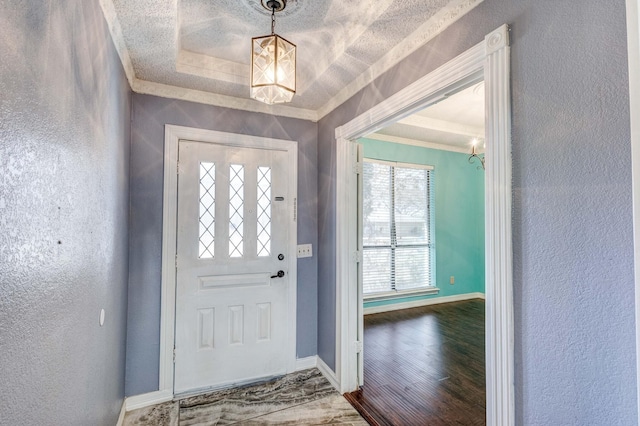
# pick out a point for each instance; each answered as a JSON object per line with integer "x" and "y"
{"x": 302, "y": 398}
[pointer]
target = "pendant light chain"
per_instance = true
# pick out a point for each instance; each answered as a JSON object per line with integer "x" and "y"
{"x": 273, "y": 20}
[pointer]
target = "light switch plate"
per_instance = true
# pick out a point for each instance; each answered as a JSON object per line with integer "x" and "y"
{"x": 305, "y": 250}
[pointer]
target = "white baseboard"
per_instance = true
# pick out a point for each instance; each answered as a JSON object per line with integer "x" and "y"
{"x": 422, "y": 302}
{"x": 306, "y": 363}
{"x": 328, "y": 374}
{"x": 123, "y": 411}
{"x": 147, "y": 399}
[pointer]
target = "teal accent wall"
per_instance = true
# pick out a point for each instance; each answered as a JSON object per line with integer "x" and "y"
{"x": 459, "y": 220}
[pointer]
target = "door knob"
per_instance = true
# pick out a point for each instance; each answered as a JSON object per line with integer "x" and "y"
{"x": 280, "y": 274}
{"x": 281, "y": 256}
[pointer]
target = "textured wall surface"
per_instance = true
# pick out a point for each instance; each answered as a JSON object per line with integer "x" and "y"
{"x": 459, "y": 215}
{"x": 572, "y": 218}
{"x": 150, "y": 114}
{"x": 64, "y": 162}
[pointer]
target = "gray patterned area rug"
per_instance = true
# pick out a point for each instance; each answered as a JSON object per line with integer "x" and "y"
{"x": 302, "y": 398}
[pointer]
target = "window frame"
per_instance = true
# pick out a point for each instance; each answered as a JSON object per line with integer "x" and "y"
{"x": 420, "y": 290}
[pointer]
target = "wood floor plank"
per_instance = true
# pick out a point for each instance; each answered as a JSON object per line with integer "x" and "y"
{"x": 424, "y": 366}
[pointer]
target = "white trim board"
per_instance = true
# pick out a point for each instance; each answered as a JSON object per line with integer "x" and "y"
{"x": 147, "y": 399}
{"x": 173, "y": 134}
{"x": 403, "y": 294}
{"x": 306, "y": 363}
{"x": 328, "y": 374}
{"x": 489, "y": 60}
{"x": 633, "y": 49}
{"x": 123, "y": 412}
{"x": 111, "y": 17}
{"x": 214, "y": 99}
{"x": 422, "y": 302}
{"x": 421, "y": 144}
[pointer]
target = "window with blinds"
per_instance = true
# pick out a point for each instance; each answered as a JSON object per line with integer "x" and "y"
{"x": 398, "y": 227}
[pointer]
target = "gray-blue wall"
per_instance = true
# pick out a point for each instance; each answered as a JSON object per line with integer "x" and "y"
{"x": 64, "y": 161}
{"x": 150, "y": 114}
{"x": 64, "y": 154}
{"x": 572, "y": 212}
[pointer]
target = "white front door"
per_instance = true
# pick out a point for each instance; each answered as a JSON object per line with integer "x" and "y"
{"x": 232, "y": 281}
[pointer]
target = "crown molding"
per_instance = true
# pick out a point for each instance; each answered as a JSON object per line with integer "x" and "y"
{"x": 202, "y": 65}
{"x": 427, "y": 31}
{"x": 209, "y": 67}
{"x": 110, "y": 15}
{"x": 208, "y": 98}
{"x": 429, "y": 123}
{"x": 414, "y": 142}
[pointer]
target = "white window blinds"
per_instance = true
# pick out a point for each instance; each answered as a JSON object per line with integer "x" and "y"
{"x": 397, "y": 227}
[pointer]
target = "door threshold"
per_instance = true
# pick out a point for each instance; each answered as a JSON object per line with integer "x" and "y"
{"x": 226, "y": 386}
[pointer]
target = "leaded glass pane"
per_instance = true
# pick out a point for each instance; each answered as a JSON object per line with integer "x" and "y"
{"x": 236, "y": 210}
{"x": 207, "y": 210}
{"x": 286, "y": 64}
{"x": 264, "y": 211}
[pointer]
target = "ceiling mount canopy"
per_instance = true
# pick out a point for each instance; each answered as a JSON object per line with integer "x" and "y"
{"x": 273, "y": 63}
{"x": 274, "y": 5}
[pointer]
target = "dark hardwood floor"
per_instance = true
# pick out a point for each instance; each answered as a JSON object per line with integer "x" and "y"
{"x": 424, "y": 366}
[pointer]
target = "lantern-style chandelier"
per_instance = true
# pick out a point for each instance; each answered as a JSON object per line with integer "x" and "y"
{"x": 273, "y": 63}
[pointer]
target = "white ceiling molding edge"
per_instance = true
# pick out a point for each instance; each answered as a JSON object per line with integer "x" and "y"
{"x": 110, "y": 15}
{"x": 421, "y": 144}
{"x": 201, "y": 97}
{"x": 443, "y": 126}
{"x": 431, "y": 28}
{"x": 427, "y": 31}
{"x": 209, "y": 67}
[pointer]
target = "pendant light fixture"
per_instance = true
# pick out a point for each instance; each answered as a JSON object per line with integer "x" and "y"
{"x": 273, "y": 63}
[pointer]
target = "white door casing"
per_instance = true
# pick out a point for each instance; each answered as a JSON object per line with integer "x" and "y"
{"x": 633, "y": 50}
{"x": 489, "y": 60}
{"x": 231, "y": 315}
{"x": 249, "y": 304}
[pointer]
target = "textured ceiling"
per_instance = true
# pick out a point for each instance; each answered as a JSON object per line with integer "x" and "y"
{"x": 450, "y": 124}
{"x": 200, "y": 49}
